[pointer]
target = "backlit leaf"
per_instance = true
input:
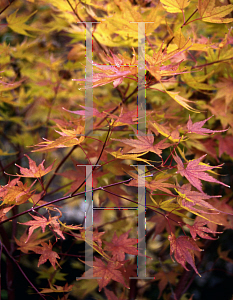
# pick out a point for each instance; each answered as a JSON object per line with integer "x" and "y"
{"x": 174, "y": 6}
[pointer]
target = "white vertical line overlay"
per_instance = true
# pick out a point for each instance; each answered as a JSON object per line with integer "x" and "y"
{"x": 141, "y": 259}
{"x": 88, "y": 82}
{"x": 88, "y": 223}
{"x": 141, "y": 80}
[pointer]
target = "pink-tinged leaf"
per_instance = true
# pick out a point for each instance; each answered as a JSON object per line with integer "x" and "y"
{"x": 195, "y": 172}
{"x": 34, "y": 171}
{"x": 197, "y": 127}
{"x": 193, "y": 201}
{"x": 87, "y": 111}
{"x": 225, "y": 145}
{"x": 183, "y": 248}
{"x": 43, "y": 222}
{"x": 119, "y": 68}
{"x": 144, "y": 143}
{"x": 199, "y": 229}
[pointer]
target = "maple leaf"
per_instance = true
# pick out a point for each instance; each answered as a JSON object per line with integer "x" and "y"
{"x": 87, "y": 111}
{"x": 47, "y": 254}
{"x": 111, "y": 296}
{"x": 174, "y": 136}
{"x": 225, "y": 145}
{"x": 225, "y": 87}
{"x": 156, "y": 184}
{"x": 212, "y": 14}
{"x": 144, "y": 143}
{"x": 30, "y": 244}
{"x": 159, "y": 184}
{"x": 194, "y": 172}
{"x": 68, "y": 138}
{"x": 4, "y": 211}
{"x": 161, "y": 223}
{"x": 57, "y": 289}
{"x": 119, "y": 68}
{"x": 224, "y": 255}
{"x": 126, "y": 117}
{"x": 183, "y": 248}
{"x": 164, "y": 279}
{"x": 17, "y": 23}
{"x": 199, "y": 229}
{"x": 33, "y": 171}
{"x": 174, "y": 6}
{"x": 106, "y": 272}
{"x": 155, "y": 64}
{"x": 121, "y": 245}
{"x": 43, "y": 222}
{"x": 192, "y": 200}
{"x": 15, "y": 192}
{"x": 182, "y": 101}
{"x": 196, "y": 127}
{"x": 119, "y": 155}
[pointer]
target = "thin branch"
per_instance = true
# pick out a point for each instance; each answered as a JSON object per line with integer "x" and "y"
{"x": 25, "y": 276}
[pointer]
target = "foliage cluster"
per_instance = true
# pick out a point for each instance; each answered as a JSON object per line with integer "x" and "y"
{"x": 44, "y": 149}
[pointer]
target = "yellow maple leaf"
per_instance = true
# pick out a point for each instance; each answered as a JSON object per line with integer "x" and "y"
{"x": 182, "y": 101}
{"x": 118, "y": 154}
{"x": 17, "y": 23}
{"x": 212, "y": 14}
{"x": 174, "y": 6}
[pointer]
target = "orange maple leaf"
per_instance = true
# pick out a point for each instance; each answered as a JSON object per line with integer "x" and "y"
{"x": 144, "y": 143}
{"x": 15, "y": 192}
{"x": 57, "y": 289}
{"x": 31, "y": 244}
{"x": 33, "y": 171}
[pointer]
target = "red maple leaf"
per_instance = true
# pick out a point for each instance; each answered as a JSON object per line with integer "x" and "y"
{"x": 105, "y": 272}
{"x": 199, "y": 229}
{"x": 121, "y": 245}
{"x": 47, "y": 254}
{"x": 195, "y": 171}
{"x": 164, "y": 279}
{"x": 161, "y": 223}
{"x": 183, "y": 248}
{"x": 197, "y": 127}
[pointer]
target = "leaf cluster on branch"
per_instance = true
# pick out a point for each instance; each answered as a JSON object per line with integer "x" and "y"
{"x": 44, "y": 114}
